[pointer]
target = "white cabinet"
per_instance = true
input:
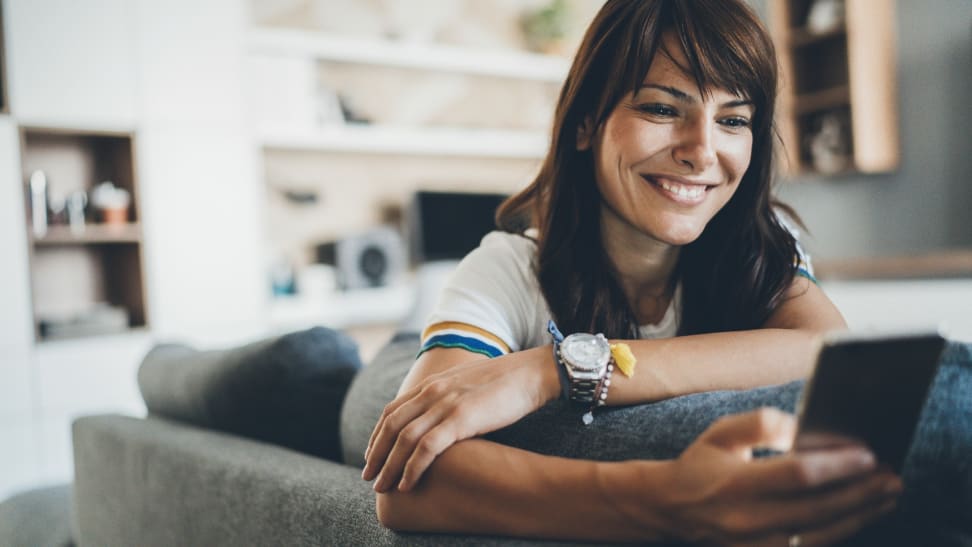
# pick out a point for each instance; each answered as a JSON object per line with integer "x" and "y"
{"x": 918, "y": 304}
{"x": 203, "y": 228}
{"x": 190, "y": 62}
{"x": 20, "y": 468}
{"x": 71, "y": 62}
{"x": 16, "y": 327}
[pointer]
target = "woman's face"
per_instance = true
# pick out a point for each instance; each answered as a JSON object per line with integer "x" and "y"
{"x": 667, "y": 158}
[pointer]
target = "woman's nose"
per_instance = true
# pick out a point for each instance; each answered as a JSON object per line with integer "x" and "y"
{"x": 694, "y": 147}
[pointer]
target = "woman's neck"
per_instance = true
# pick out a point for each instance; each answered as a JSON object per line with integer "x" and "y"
{"x": 643, "y": 264}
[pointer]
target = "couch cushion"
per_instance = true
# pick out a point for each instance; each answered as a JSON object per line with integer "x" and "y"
{"x": 373, "y": 388}
{"x": 286, "y": 390}
{"x": 37, "y": 517}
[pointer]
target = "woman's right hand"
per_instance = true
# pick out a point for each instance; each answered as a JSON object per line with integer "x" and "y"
{"x": 716, "y": 493}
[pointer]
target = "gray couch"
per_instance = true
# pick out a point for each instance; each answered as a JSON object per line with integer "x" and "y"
{"x": 193, "y": 473}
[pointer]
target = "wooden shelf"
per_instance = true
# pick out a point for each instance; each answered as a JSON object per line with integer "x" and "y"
{"x": 800, "y": 37}
{"x": 93, "y": 234}
{"x": 941, "y": 264}
{"x": 408, "y": 140}
{"x": 826, "y": 99}
{"x": 324, "y": 46}
{"x": 850, "y": 69}
{"x": 87, "y": 283}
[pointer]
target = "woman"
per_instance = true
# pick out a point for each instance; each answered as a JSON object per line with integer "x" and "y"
{"x": 650, "y": 221}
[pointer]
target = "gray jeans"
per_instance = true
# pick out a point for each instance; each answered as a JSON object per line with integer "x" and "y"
{"x": 936, "y": 508}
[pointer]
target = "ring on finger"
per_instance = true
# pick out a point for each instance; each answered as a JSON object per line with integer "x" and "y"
{"x": 795, "y": 540}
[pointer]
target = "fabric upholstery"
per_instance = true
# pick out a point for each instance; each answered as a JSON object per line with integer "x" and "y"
{"x": 286, "y": 390}
{"x": 373, "y": 388}
{"x": 152, "y": 482}
{"x": 38, "y": 518}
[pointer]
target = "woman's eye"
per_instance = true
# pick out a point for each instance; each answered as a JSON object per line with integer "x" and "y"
{"x": 735, "y": 122}
{"x": 658, "y": 110}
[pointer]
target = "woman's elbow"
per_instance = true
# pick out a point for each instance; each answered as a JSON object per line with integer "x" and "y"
{"x": 393, "y": 511}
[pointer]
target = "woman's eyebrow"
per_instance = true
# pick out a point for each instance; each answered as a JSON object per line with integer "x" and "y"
{"x": 686, "y": 98}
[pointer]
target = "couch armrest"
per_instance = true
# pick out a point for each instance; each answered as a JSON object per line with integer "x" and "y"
{"x": 155, "y": 482}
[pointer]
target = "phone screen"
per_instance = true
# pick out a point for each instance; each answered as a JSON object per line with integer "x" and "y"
{"x": 869, "y": 390}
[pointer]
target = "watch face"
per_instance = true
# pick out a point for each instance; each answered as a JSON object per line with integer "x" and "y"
{"x": 585, "y": 351}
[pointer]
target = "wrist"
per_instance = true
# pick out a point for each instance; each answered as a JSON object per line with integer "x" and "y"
{"x": 634, "y": 491}
{"x": 546, "y": 367}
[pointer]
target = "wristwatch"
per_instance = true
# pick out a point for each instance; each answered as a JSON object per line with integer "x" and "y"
{"x": 585, "y": 358}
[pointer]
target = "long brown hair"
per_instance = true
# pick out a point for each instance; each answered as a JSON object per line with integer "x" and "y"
{"x": 735, "y": 274}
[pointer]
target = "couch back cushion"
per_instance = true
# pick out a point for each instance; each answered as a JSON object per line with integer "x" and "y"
{"x": 374, "y": 387}
{"x": 286, "y": 390}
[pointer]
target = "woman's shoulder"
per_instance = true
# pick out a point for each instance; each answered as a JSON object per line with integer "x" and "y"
{"x": 505, "y": 248}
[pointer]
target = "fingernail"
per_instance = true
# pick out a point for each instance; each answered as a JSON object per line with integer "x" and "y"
{"x": 866, "y": 459}
{"x": 403, "y": 486}
{"x": 893, "y": 486}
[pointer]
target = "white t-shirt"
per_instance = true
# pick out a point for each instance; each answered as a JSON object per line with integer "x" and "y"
{"x": 492, "y": 303}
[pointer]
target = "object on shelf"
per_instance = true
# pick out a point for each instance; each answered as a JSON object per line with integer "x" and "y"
{"x": 77, "y": 202}
{"x": 829, "y": 144}
{"x": 545, "y": 28}
{"x": 112, "y": 201}
{"x": 100, "y": 319}
{"x": 283, "y": 280}
{"x": 825, "y": 16}
{"x": 38, "y": 203}
{"x": 350, "y": 113}
{"x": 375, "y": 258}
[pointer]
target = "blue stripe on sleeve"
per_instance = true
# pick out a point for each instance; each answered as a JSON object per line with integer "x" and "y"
{"x": 463, "y": 342}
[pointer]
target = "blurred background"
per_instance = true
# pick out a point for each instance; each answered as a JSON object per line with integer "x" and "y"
{"x": 219, "y": 172}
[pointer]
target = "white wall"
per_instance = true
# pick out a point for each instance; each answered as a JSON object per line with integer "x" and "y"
{"x": 171, "y": 72}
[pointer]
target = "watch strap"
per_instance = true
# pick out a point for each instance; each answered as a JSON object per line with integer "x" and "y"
{"x": 558, "y": 337}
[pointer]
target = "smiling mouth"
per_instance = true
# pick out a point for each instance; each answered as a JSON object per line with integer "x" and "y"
{"x": 678, "y": 191}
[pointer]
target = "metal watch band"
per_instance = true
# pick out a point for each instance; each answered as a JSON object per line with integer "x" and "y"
{"x": 583, "y": 391}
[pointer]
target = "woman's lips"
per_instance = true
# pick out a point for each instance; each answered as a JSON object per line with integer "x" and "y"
{"x": 678, "y": 191}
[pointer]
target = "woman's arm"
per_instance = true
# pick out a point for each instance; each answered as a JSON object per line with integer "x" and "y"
{"x": 456, "y": 395}
{"x": 712, "y": 493}
{"x": 782, "y": 351}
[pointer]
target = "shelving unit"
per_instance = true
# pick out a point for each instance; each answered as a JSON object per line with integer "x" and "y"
{"x": 4, "y": 100}
{"x": 843, "y": 76}
{"x": 411, "y": 141}
{"x": 90, "y": 270}
{"x": 323, "y": 46}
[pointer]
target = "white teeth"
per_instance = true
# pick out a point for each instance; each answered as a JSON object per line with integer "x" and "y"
{"x": 691, "y": 192}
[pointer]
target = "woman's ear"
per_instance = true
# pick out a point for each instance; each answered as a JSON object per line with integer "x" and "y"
{"x": 585, "y": 134}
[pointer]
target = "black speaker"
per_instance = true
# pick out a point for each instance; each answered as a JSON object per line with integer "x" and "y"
{"x": 375, "y": 258}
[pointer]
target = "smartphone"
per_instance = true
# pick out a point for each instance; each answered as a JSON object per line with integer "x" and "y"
{"x": 868, "y": 389}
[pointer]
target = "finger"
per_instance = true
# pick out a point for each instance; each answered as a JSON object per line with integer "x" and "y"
{"x": 390, "y": 408}
{"x": 388, "y": 433}
{"x": 830, "y": 533}
{"x": 410, "y": 437}
{"x": 822, "y": 508}
{"x": 847, "y": 526}
{"x": 765, "y": 427}
{"x": 799, "y": 472}
{"x": 435, "y": 442}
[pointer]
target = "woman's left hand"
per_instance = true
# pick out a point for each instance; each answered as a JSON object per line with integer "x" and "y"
{"x": 462, "y": 402}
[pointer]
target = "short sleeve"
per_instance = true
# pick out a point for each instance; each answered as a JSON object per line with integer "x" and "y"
{"x": 486, "y": 305}
{"x": 804, "y": 265}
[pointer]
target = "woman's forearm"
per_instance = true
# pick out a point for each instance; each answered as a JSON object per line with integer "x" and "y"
{"x": 707, "y": 362}
{"x": 477, "y": 486}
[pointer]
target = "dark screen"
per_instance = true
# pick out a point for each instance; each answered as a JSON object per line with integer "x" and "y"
{"x": 447, "y": 225}
{"x": 872, "y": 391}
